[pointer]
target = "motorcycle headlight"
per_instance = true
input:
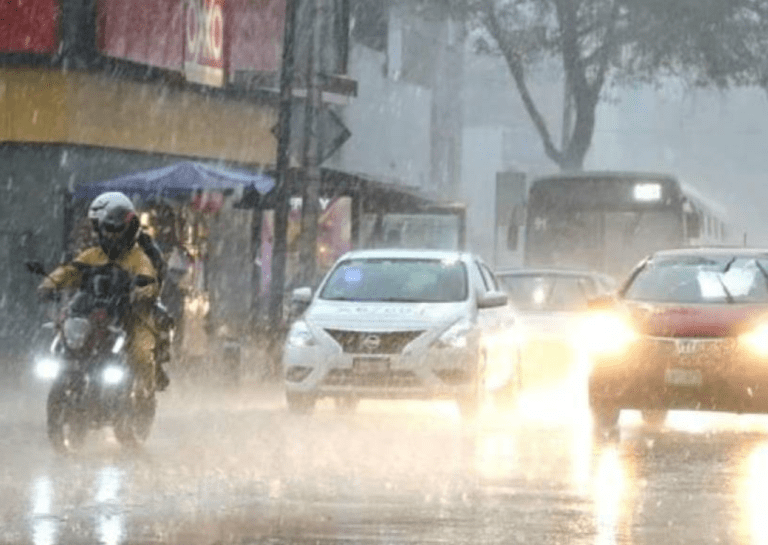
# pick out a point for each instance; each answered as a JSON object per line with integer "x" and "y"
{"x": 605, "y": 333}
{"x": 756, "y": 341}
{"x": 300, "y": 335}
{"x": 113, "y": 374}
{"x": 455, "y": 336}
{"x": 76, "y": 331}
{"x": 47, "y": 368}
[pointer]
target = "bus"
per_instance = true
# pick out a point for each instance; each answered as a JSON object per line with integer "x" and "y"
{"x": 608, "y": 221}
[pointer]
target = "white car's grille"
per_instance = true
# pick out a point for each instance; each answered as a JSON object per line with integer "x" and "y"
{"x": 388, "y": 379}
{"x": 366, "y": 342}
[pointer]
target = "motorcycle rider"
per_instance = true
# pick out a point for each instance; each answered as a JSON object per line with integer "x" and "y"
{"x": 163, "y": 321}
{"x": 117, "y": 226}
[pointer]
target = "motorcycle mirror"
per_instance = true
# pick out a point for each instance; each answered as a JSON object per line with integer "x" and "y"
{"x": 35, "y": 267}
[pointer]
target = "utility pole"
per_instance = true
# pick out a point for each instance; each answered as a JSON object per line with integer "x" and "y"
{"x": 282, "y": 189}
{"x": 310, "y": 208}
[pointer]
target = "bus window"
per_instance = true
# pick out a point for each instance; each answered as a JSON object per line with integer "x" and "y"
{"x": 692, "y": 225}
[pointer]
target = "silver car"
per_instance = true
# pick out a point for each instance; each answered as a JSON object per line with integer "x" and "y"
{"x": 401, "y": 324}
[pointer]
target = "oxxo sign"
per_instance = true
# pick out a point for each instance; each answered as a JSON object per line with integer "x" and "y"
{"x": 204, "y": 41}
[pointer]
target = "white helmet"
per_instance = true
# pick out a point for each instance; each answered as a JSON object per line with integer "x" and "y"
{"x": 114, "y": 219}
{"x": 103, "y": 202}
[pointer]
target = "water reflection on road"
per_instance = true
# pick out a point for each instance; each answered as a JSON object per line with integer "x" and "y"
{"x": 241, "y": 469}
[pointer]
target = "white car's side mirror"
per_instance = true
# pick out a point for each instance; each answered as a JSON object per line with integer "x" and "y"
{"x": 302, "y": 295}
{"x": 491, "y": 299}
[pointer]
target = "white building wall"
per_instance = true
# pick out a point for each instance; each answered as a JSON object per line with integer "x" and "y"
{"x": 481, "y": 159}
{"x": 389, "y": 121}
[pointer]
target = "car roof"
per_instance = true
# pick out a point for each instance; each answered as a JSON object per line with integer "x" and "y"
{"x": 714, "y": 251}
{"x": 403, "y": 253}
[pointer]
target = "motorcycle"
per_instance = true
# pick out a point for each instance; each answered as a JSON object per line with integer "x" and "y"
{"x": 93, "y": 386}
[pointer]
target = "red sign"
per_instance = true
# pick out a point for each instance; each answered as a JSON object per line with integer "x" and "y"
{"x": 143, "y": 32}
{"x": 29, "y": 26}
{"x": 255, "y": 30}
{"x": 204, "y": 41}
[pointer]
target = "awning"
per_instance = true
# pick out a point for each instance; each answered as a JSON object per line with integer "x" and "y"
{"x": 179, "y": 180}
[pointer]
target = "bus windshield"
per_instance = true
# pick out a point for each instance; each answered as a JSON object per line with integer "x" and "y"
{"x": 607, "y": 221}
{"x": 609, "y": 241}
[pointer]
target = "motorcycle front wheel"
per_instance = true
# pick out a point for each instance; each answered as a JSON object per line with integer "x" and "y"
{"x": 132, "y": 428}
{"x": 66, "y": 426}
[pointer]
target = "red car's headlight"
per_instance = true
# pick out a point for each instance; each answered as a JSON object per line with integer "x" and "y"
{"x": 756, "y": 341}
{"x": 605, "y": 333}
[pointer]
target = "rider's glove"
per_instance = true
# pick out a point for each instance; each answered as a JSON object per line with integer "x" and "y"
{"x": 47, "y": 294}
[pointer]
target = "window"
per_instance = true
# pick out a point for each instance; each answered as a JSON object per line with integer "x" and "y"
{"x": 369, "y": 23}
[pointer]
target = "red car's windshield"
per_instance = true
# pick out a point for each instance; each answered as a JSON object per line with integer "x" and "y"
{"x": 702, "y": 279}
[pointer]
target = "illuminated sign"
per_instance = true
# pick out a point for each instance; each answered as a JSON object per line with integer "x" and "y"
{"x": 647, "y": 192}
{"x": 204, "y": 41}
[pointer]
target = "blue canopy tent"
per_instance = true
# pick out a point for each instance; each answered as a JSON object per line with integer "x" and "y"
{"x": 177, "y": 182}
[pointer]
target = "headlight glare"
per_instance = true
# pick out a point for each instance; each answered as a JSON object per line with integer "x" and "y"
{"x": 756, "y": 340}
{"x": 113, "y": 374}
{"x": 605, "y": 333}
{"x": 47, "y": 368}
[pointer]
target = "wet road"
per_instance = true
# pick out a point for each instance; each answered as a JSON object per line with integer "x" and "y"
{"x": 226, "y": 465}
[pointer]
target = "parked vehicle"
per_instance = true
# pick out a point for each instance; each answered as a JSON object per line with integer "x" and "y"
{"x": 93, "y": 385}
{"x": 394, "y": 323}
{"x": 549, "y": 304}
{"x": 688, "y": 330}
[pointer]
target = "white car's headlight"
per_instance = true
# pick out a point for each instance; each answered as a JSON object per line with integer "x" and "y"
{"x": 47, "y": 368}
{"x": 455, "y": 336}
{"x": 756, "y": 341}
{"x": 605, "y": 333}
{"x": 300, "y": 335}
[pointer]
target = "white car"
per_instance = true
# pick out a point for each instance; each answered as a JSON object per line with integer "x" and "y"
{"x": 400, "y": 324}
{"x": 550, "y": 305}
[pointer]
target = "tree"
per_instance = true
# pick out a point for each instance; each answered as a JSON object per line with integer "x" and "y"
{"x": 722, "y": 43}
{"x": 602, "y": 42}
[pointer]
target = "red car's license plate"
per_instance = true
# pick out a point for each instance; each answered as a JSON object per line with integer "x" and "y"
{"x": 370, "y": 365}
{"x": 683, "y": 377}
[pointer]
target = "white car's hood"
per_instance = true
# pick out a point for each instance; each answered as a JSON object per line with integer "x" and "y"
{"x": 376, "y": 316}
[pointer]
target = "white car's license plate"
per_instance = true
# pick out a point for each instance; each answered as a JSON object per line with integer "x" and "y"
{"x": 683, "y": 377}
{"x": 370, "y": 365}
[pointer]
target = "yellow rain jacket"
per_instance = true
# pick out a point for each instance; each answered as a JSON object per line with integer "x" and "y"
{"x": 141, "y": 334}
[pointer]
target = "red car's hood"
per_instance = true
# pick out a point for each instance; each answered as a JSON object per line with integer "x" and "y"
{"x": 675, "y": 320}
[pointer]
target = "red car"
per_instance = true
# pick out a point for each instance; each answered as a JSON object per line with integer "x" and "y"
{"x": 687, "y": 330}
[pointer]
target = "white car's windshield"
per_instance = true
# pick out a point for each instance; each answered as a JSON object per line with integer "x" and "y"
{"x": 398, "y": 280}
{"x": 719, "y": 279}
